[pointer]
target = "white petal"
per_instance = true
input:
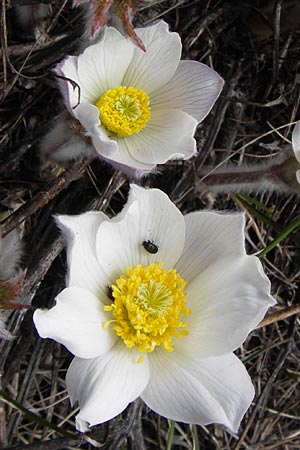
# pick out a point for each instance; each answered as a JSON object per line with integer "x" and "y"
{"x": 149, "y": 215}
{"x": 88, "y": 116}
{"x": 83, "y": 268}
{"x": 209, "y": 237}
{"x": 169, "y": 134}
{"x": 152, "y": 69}
{"x": 296, "y": 140}
{"x": 104, "y": 386}
{"x": 227, "y": 301}
{"x": 69, "y": 84}
{"x": 298, "y": 175}
{"x": 194, "y": 89}
{"x": 122, "y": 160}
{"x": 102, "y": 66}
{"x": 110, "y": 150}
{"x": 203, "y": 391}
{"x": 76, "y": 321}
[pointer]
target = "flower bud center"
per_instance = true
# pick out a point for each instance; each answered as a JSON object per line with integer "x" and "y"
{"x": 124, "y": 110}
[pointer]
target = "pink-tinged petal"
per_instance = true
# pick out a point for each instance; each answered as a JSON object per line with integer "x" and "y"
{"x": 68, "y": 81}
{"x": 296, "y": 141}
{"x": 76, "y": 321}
{"x": 227, "y": 301}
{"x": 102, "y": 66}
{"x": 209, "y": 237}
{"x": 149, "y": 215}
{"x": 104, "y": 386}
{"x": 193, "y": 89}
{"x": 83, "y": 267}
{"x": 169, "y": 134}
{"x": 152, "y": 69}
{"x": 199, "y": 391}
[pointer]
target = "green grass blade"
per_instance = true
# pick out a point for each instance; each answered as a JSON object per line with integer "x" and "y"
{"x": 254, "y": 212}
{"x": 34, "y": 417}
{"x": 282, "y": 235}
{"x": 196, "y": 444}
{"x": 171, "y": 435}
{"x": 254, "y": 201}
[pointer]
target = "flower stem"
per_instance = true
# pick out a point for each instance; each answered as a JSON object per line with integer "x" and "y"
{"x": 277, "y": 175}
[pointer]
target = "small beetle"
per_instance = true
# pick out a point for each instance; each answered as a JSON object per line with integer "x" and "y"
{"x": 109, "y": 293}
{"x": 150, "y": 247}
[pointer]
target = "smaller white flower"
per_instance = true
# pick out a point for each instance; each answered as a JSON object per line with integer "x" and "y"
{"x": 296, "y": 146}
{"x": 155, "y": 305}
{"x": 139, "y": 108}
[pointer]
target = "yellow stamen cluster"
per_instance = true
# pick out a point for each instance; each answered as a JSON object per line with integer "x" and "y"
{"x": 148, "y": 302}
{"x": 124, "y": 110}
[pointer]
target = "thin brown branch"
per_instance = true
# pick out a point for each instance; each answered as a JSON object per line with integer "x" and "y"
{"x": 283, "y": 313}
{"x": 42, "y": 198}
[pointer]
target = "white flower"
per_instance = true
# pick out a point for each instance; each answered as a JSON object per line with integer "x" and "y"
{"x": 139, "y": 108}
{"x": 185, "y": 296}
{"x": 296, "y": 146}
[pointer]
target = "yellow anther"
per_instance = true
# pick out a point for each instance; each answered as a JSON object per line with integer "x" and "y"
{"x": 124, "y": 110}
{"x": 140, "y": 359}
{"x": 147, "y": 309}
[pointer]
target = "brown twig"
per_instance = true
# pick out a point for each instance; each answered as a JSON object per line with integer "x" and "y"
{"x": 42, "y": 198}
{"x": 277, "y": 14}
{"x": 14, "y": 3}
{"x": 282, "y": 314}
{"x": 50, "y": 253}
{"x": 260, "y": 405}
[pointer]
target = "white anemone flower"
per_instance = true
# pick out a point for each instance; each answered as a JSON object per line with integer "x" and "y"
{"x": 138, "y": 108}
{"x": 155, "y": 305}
{"x": 296, "y": 146}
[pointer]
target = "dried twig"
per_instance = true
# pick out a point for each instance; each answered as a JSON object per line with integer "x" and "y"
{"x": 42, "y": 198}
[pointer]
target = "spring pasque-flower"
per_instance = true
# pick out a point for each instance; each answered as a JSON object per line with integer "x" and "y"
{"x": 155, "y": 304}
{"x": 138, "y": 108}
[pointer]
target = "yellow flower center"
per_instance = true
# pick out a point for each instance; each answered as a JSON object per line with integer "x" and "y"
{"x": 148, "y": 303}
{"x": 124, "y": 110}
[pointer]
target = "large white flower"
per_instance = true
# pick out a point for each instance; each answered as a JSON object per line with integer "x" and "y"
{"x": 296, "y": 146}
{"x": 139, "y": 108}
{"x": 155, "y": 305}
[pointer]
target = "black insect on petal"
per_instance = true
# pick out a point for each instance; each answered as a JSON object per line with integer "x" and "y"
{"x": 150, "y": 247}
{"x": 109, "y": 293}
